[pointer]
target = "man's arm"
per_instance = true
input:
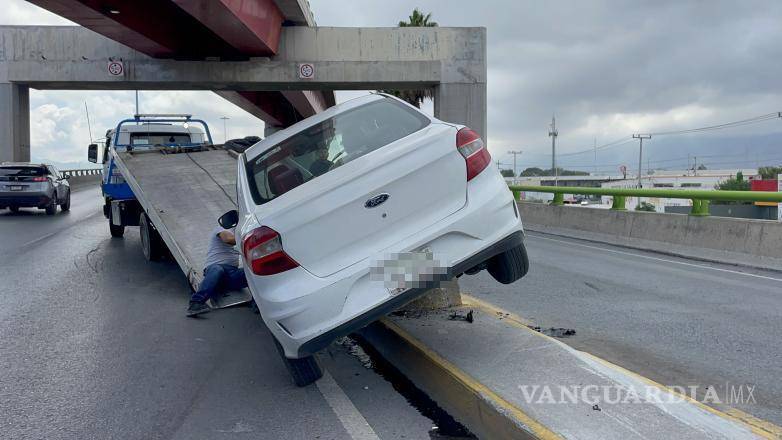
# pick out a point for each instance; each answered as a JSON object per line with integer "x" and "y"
{"x": 227, "y": 237}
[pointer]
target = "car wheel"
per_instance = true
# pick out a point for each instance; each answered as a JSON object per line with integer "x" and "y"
{"x": 14, "y": 209}
{"x": 303, "y": 371}
{"x": 151, "y": 244}
{"x": 51, "y": 208}
{"x": 66, "y": 205}
{"x": 510, "y": 265}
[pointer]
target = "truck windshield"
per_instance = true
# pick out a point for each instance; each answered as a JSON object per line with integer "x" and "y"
{"x": 330, "y": 144}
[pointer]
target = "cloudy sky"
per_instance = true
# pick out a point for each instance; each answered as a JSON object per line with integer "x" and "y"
{"x": 607, "y": 69}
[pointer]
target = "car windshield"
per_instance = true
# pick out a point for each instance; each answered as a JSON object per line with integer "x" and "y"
{"x": 330, "y": 144}
{"x": 22, "y": 171}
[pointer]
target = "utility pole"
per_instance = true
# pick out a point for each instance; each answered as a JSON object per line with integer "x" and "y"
{"x": 595, "y": 144}
{"x": 225, "y": 128}
{"x": 515, "y": 153}
{"x": 553, "y": 133}
{"x": 640, "y": 138}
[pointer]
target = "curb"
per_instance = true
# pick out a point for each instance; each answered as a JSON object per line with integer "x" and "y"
{"x": 485, "y": 412}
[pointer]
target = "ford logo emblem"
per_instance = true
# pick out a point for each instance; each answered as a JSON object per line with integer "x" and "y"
{"x": 376, "y": 201}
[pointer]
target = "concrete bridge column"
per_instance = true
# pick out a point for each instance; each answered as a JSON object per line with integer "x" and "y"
{"x": 462, "y": 103}
{"x": 14, "y": 122}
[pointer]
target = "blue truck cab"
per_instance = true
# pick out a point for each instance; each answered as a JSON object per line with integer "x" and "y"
{"x": 141, "y": 133}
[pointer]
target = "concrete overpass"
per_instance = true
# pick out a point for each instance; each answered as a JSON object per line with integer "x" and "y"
{"x": 450, "y": 60}
{"x": 205, "y": 29}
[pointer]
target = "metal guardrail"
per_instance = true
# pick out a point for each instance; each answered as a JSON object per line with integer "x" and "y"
{"x": 82, "y": 172}
{"x": 700, "y": 198}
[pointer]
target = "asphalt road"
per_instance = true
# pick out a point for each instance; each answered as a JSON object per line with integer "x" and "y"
{"x": 94, "y": 344}
{"x": 676, "y": 321}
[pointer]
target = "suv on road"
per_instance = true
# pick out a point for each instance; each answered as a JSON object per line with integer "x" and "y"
{"x": 354, "y": 212}
{"x": 26, "y": 185}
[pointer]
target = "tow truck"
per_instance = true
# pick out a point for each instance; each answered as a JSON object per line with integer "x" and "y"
{"x": 162, "y": 173}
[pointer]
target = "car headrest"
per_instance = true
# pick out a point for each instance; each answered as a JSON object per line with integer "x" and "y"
{"x": 285, "y": 180}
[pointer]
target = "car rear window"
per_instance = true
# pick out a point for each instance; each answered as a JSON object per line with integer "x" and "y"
{"x": 22, "y": 171}
{"x": 330, "y": 144}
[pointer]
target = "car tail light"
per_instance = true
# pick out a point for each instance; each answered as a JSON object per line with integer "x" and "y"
{"x": 262, "y": 250}
{"x": 39, "y": 179}
{"x": 471, "y": 146}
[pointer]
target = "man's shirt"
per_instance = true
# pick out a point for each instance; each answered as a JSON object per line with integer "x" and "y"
{"x": 219, "y": 252}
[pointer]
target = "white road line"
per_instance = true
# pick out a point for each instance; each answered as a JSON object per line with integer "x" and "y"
{"x": 700, "y": 266}
{"x": 354, "y": 423}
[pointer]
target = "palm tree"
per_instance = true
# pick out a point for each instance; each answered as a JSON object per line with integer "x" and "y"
{"x": 415, "y": 97}
{"x": 418, "y": 19}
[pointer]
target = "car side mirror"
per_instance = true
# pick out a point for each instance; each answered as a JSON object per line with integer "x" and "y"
{"x": 92, "y": 153}
{"x": 229, "y": 220}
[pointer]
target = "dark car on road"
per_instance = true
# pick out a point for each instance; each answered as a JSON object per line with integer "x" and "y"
{"x": 26, "y": 185}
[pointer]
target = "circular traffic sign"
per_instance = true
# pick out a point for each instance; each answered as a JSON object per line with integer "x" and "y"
{"x": 306, "y": 71}
{"x": 115, "y": 68}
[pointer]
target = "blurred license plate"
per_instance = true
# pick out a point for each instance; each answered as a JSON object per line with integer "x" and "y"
{"x": 16, "y": 187}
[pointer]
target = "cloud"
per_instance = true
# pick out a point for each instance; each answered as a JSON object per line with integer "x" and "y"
{"x": 606, "y": 68}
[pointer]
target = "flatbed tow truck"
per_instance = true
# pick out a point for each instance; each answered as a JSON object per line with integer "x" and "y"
{"x": 162, "y": 173}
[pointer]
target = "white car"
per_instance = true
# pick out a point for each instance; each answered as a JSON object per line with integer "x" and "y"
{"x": 349, "y": 214}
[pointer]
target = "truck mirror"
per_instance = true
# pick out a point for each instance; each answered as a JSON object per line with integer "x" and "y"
{"x": 92, "y": 153}
{"x": 229, "y": 219}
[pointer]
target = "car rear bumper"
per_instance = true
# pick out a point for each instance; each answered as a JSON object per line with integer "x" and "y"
{"x": 323, "y": 340}
{"x": 28, "y": 199}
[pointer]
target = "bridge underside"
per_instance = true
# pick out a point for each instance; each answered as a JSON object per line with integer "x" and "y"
{"x": 452, "y": 61}
{"x": 204, "y": 30}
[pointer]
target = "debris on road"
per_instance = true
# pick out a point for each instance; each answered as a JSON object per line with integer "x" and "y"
{"x": 459, "y": 317}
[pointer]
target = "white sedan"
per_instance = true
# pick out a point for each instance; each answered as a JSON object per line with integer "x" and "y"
{"x": 351, "y": 213}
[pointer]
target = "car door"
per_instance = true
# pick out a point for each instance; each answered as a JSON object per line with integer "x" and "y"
{"x": 56, "y": 182}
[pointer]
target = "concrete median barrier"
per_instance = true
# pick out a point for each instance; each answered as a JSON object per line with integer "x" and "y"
{"x": 746, "y": 242}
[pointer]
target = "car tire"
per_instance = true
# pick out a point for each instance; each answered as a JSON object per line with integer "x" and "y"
{"x": 510, "y": 265}
{"x": 51, "y": 208}
{"x": 14, "y": 209}
{"x": 66, "y": 205}
{"x": 151, "y": 243}
{"x": 303, "y": 371}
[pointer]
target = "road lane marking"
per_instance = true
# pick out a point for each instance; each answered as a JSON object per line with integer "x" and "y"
{"x": 658, "y": 259}
{"x": 354, "y": 423}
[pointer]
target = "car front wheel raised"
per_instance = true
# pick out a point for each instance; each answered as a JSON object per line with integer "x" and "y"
{"x": 303, "y": 371}
{"x": 510, "y": 265}
{"x": 151, "y": 242}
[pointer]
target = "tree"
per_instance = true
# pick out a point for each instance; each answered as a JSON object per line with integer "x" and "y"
{"x": 507, "y": 173}
{"x": 702, "y": 167}
{"x": 532, "y": 172}
{"x": 418, "y": 19}
{"x": 415, "y": 97}
{"x": 769, "y": 172}
{"x": 734, "y": 184}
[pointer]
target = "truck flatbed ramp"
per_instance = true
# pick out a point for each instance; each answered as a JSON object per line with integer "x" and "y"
{"x": 184, "y": 193}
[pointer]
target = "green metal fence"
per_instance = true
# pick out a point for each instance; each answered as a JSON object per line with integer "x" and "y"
{"x": 700, "y": 198}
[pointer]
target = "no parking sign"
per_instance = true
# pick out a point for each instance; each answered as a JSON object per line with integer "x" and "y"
{"x": 306, "y": 71}
{"x": 116, "y": 68}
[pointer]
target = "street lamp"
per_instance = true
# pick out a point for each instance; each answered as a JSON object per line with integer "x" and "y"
{"x": 225, "y": 128}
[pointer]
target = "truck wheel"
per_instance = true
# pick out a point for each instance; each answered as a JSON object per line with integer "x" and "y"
{"x": 51, "y": 208}
{"x": 151, "y": 243}
{"x": 510, "y": 265}
{"x": 66, "y": 205}
{"x": 303, "y": 371}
